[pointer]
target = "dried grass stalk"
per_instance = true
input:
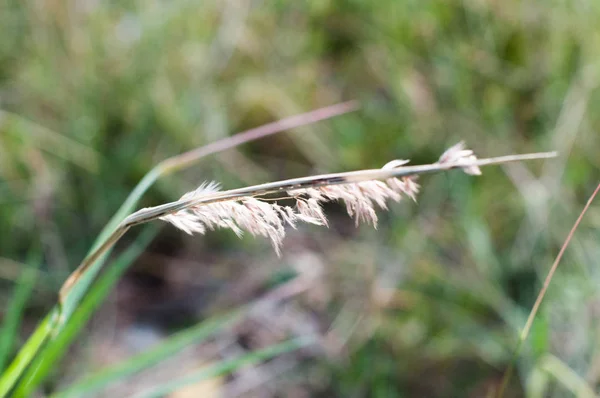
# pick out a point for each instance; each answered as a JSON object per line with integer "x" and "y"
{"x": 246, "y": 209}
{"x": 261, "y": 218}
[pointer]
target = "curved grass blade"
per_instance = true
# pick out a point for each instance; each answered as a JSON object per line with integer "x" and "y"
{"x": 51, "y": 141}
{"x": 538, "y": 301}
{"x": 151, "y": 357}
{"x": 12, "y": 320}
{"x": 50, "y": 324}
{"x": 566, "y": 376}
{"x": 227, "y": 366}
{"x": 25, "y": 355}
{"x": 51, "y": 353}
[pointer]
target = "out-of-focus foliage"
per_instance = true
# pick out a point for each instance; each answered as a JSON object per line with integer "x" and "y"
{"x": 94, "y": 93}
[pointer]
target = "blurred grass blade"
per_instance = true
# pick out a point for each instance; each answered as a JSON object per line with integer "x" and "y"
{"x": 25, "y": 356}
{"x": 50, "y": 141}
{"x": 566, "y": 376}
{"x": 151, "y": 357}
{"x": 12, "y": 319}
{"x": 538, "y": 301}
{"x": 226, "y": 366}
{"x": 59, "y": 343}
{"x": 52, "y": 353}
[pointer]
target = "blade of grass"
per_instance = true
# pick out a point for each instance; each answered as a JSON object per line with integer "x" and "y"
{"x": 567, "y": 377}
{"x": 51, "y": 354}
{"x": 151, "y": 357}
{"x": 26, "y": 354}
{"x": 50, "y": 323}
{"x": 540, "y": 297}
{"x": 51, "y": 141}
{"x": 227, "y": 366}
{"x": 12, "y": 319}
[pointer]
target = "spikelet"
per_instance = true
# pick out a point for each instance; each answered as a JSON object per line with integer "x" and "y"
{"x": 459, "y": 154}
{"x": 268, "y": 219}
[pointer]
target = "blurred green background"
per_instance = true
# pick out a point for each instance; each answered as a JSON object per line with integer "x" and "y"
{"x": 94, "y": 93}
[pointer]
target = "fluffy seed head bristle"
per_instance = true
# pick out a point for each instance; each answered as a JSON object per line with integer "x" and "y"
{"x": 268, "y": 219}
{"x": 261, "y": 218}
{"x": 459, "y": 154}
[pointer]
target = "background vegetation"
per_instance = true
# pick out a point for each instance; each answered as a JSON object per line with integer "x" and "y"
{"x": 94, "y": 93}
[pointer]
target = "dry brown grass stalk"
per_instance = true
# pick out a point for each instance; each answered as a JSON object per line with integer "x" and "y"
{"x": 538, "y": 301}
{"x": 244, "y": 210}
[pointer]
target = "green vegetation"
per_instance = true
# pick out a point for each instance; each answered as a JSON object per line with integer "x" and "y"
{"x": 93, "y": 95}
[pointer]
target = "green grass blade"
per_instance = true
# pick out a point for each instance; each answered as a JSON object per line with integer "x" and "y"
{"x": 56, "y": 347}
{"x": 73, "y": 299}
{"x": 566, "y": 376}
{"x": 51, "y": 141}
{"x": 227, "y": 366}
{"x": 12, "y": 320}
{"x": 151, "y": 357}
{"x": 25, "y": 356}
{"x": 60, "y": 342}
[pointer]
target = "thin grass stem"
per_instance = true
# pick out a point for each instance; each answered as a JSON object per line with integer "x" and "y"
{"x": 153, "y": 213}
{"x": 540, "y": 297}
